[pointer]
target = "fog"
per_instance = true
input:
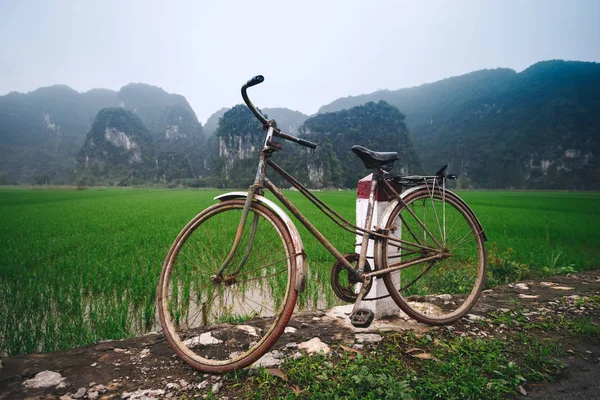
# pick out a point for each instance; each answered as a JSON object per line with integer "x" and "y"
{"x": 310, "y": 52}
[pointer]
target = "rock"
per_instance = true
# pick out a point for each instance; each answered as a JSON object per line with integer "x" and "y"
{"x": 203, "y": 385}
{"x": 271, "y": 359}
{"x": 173, "y": 386}
{"x": 368, "y": 338}
{"x": 296, "y": 355}
{"x": 522, "y": 390}
{"x": 45, "y": 379}
{"x": 528, "y": 296}
{"x": 278, "y": 355}
{"x": 100, "y": 388}
{"x": 289, "y": 329}
{"x": 445, "y": 297}
{"x": 80, "y": 393}
{"x": 548, "y": 284}
{"x": 204, "y": 339}
{"x": 291, "y": 345}
{"x": 144, "y": 353}
{"x": 304, "y": 325}
{"x": 216, "y": 387}
{"x": 93, "y": 395}
{"x": 358, "y": 346}
{"x": 183, "y": 383}
{"x": 144, "y": 394}
{"x": 314, "y": 345}
{"x": 521, "y": 286}
{"x": 104, "y": 347}
{"x": 573, "y": 297}
{"x": 249, "y": 329}
{"x": 474, "y": 318}
{"x": 94, "y": 364}
{"x": 316, "y": 318}
{"x": 562, "y": 288}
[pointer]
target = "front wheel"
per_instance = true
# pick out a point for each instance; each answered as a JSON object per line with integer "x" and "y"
{"x": 220, "y": 323}
{"x": 430, "y": 223}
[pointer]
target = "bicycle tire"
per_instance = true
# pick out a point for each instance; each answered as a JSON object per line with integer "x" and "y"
{"x": 220, "y": 326}
{"x": 442, "y": 291}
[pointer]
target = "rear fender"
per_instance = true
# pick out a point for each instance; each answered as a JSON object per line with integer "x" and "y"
{"x": 296, "y": 240}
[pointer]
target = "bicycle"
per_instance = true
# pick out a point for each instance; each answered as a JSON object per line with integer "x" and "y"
{"x": 230, "y": 280}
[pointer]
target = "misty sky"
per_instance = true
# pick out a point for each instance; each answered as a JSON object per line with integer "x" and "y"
{"x": 311, "y": 52}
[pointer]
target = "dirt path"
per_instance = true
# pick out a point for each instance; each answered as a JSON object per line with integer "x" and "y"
{"x": 146, "y": 367}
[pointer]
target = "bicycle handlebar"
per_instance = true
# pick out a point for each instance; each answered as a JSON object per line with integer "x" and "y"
{"x": 266, "y": 124}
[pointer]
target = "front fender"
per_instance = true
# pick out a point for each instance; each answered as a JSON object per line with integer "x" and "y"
{"x": 296, "y": 240}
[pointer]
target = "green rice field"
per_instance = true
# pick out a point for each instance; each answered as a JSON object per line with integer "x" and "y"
{"x": 78, "y": 266}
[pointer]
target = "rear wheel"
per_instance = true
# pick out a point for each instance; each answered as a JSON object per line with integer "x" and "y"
{"x": 219, "y": 324}
{"x": 442, "y": 290}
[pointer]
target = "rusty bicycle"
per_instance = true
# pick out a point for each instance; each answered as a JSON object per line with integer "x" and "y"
{"x": 230, "y": 281}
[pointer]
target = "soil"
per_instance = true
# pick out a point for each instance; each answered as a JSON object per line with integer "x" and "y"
{"x": 146, "y": 366}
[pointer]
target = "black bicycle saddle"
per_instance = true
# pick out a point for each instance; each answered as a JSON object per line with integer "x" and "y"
{"x": 374, "y": 159}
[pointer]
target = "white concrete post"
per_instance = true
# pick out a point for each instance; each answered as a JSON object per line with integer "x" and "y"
{"x": 387, "y": 306}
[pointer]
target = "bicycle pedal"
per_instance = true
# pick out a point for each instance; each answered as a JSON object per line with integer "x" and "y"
{"x": 362, "y": 318}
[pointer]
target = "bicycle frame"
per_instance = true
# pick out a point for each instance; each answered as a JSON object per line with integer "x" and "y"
{"x": 357, "y": 274}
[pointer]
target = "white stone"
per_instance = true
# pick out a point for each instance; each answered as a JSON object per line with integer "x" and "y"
{"x": 548, "y": 284}
{"x": 291, "y": 345}
{"x": 573, "y": 297}
{"x": 562, "y": 288}
{"x": 521, "y": 286}
{"x": 368, "y": 338}
{"x": 144, "y": 394}
{"x": 314, "y": 345}
{"x": 45, "y": 379}
{"x": 144, "y": 353}
{"x": 100, "y": 388}
{"x": 445, "y": 297}
{"x": 94, "y": 364}
{"x": 80, "y": 393}
{"x": 203, "y": 385}
{"x": 248, "y": 329}
{"x": 270, "y": 359}
{"x": 183, "y": 383}
{"x": 93, "y": 395}
{"x": 527, "y": 296}
{"x": 217, "y": 387}
{"x": 204, "y": 339}
{"x": 290, "y": 329}
{"x": 473, "y": 317}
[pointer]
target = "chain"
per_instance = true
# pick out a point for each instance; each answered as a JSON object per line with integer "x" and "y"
{"x": 376, "y": 298}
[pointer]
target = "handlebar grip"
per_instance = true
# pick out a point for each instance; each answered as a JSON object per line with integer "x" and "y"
{"x": 255, "y": 81}
{"x": 307, "y": 143}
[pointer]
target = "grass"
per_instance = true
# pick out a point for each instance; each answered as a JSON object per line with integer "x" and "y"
{"x": 456, "y": 368}
{"x": 80, "y": 266}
